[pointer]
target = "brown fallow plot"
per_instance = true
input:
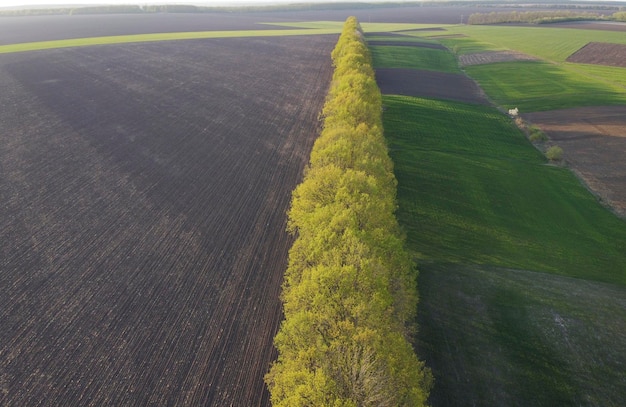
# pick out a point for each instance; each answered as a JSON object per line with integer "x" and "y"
{"x": 594, "y": 144}
{"x": 600, "y": 53}
{"x": 144, "y": 190}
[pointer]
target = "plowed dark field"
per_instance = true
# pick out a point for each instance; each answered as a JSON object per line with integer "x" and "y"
{"x": 143, "y": 191}
{"x": 429, "y": 84}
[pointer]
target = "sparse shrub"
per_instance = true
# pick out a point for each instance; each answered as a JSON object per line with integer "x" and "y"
{"x": 536, "y": 135}
{"x": 554, "y": 153}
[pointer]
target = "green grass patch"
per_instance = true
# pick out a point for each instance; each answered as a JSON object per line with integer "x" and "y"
{"x": 496, "y": 337}
{"x": 125, "y": 39}
{"x": 414, "y": 58}
{"x": 539, "y": 86}
{"x": 472, "y": 190}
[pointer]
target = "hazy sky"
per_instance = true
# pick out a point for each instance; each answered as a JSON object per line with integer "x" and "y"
{"x": 11, "y": 3}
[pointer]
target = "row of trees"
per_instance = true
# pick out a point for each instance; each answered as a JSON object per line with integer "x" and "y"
{"x": 349, "y": 293}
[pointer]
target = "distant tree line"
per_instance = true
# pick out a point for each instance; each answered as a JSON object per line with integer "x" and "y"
{"x": 619, "y": 16}
{"x": 534, "y": 17}
{"x": 349, "y": 293}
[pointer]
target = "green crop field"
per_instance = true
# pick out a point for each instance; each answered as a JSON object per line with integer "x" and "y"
{"x": 522, "y": 272}
{"x": 414, "y": 58}
{"x": 554, "y": 44}
{"x": 473, "y": 190}
{"x": 537, "y": 86}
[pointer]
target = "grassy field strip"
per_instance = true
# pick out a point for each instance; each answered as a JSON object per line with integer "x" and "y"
{"x": 554, "y": 44}
{"x": 125, "y": 39}
{"x": 540, "y": 86}
{"x": 539, "y": 339}
{"x": 482, "y": 194}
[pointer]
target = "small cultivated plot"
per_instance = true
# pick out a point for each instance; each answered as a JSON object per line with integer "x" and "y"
{"x": 601, "y": 54}
{"x": 490, "y": 57}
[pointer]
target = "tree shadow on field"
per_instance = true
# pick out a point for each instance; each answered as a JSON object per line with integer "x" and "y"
{"x": 500, "y": 337}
